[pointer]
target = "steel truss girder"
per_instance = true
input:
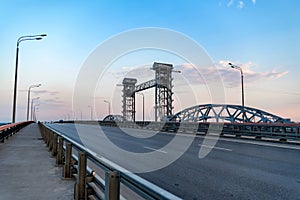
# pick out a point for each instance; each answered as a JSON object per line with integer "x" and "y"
{"x": 224, "y": 112}
{"x": 145, "y": 85}
{"x": 118, "y": 118}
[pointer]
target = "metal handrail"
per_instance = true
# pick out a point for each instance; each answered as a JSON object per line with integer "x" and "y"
{"x": 284, "y": 132}
{"x": 139, "y": 185}
{"x": 9, "y": 129}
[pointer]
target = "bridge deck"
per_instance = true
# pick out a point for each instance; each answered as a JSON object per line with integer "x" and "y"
{"x": 27, "y": 170}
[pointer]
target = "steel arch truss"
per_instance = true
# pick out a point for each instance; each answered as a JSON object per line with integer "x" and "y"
{"x": 109, "y": 118}
{"x": 229, "y": 113}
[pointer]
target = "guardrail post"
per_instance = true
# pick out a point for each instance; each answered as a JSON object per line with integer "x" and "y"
{"x": 67, "y": 166}
{"x": 283, "y": 135}
{"x": 80, "y": 184}
{"x": 238, "y": 132}
{"x": 54, "y": 145}
{"x": 112, "y": 185}
{"x": 45, "y": 134}
{"x": 60, "y": 152}
{"x": 51, "y": 141}
{"x": 48, "y": 138}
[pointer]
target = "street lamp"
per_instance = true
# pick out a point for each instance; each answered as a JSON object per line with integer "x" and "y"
{"x": 31, "y": 107}
{"x": 105, "y": 101}
{"x": 34, "y": 112}
{"x": 143, "y": 104}
{"x": 28, "y": 100}
{"x": 21, "y": 39}
{"x": 242, "y": 81}
{"x": 91, "y": 112}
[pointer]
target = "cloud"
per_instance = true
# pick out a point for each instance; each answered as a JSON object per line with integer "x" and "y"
{"x": 49, "y": 98}
{"x": 238, "y": 4}
{"x": 230, "y": 3}
{"x": 52, "y": 93}
{"x": 203, "y": 75}
{"x": 141, "y": 73}
{"x": 210, "y": 74}
{"x": 241, "y": 4}
{"x": 55, "y": 102}
{"x": 250, "y": 76}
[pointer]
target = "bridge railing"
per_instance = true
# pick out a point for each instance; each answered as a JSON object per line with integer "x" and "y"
{"x": 10, "y": 129}
{"x": 101, "y": 179}
{"x": 275, "y": 131}
{"x": 283, "y": 132}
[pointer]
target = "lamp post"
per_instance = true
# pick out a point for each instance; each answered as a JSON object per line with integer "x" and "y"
{"x": 108, "y": 106}
{"x": 31, "y": 108}
{"x": 143, "y": 104}
{"x": 91, "y": 112}
{"x": 28, "y": 100}
{"x": 34, "y": 112}
{"x": 21, "y": 39}
{"x": 242, "y": 82}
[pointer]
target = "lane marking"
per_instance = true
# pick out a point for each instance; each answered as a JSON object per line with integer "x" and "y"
{"x": 219, "y": 148}
{"x": 155, "y": 149}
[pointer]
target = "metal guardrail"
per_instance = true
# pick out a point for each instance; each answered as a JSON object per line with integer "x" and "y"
{"x": 89, "y": 185}
{"x": 10, "y": 129}
{"x": 283, "y": 132}
{"x": 277, "y": 131}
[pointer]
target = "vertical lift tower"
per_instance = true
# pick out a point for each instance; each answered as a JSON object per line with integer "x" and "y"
{"x": 129, "y": 99}
{"x": 163, "y": 93}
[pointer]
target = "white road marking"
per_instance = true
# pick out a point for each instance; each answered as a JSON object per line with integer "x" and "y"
{"x": 155, "y": 149}
{"x": 219, "y": 148}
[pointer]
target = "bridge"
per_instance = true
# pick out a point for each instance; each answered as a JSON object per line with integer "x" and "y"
{"x": 252, "y": 163}
{"x": 226, "y": 113}
{"x": 252, "y": 154}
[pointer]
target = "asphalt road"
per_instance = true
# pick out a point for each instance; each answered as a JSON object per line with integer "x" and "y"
{"x": 234, "y": 169}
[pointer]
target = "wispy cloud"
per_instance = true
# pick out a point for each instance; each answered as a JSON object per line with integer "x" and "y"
{"x": 238, "y": 4}
{"x": 250, "y": 75}
{"x": 52, "y": 93}
{"x": 142, "y": 72}
{"x": 202, "y": 75}
{"x": 54, "y": 102}
{"x": 211, "y": 74}
{"x": 241, "y": 4}
{"x": 230, "y": 3}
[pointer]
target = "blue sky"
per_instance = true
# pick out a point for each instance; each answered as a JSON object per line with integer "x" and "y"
{"x": 263, "y": 37}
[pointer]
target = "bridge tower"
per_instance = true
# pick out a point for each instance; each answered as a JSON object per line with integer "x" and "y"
{"x": 163, "y": 90}
{"x": 163, "y": 93}
{"x": 129, "y": 99}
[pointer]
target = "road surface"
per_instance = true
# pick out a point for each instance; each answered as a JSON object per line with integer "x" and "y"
{"x": 234, "y": 169}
